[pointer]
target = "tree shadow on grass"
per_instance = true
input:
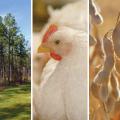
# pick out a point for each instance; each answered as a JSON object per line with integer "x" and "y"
{"x": 12, "y": 91}
{"x": 19, "y": 110}
{"x": 14, "y": 111}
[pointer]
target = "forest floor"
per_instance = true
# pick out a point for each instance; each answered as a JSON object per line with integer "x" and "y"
{"x": 15, "y": 103}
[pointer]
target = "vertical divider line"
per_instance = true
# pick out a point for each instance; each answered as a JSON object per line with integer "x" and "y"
{"x": 31, "y": 59}
{"x": 88, "y": 58}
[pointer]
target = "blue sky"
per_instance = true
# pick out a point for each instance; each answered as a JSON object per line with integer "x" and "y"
{"x": 21, "y": 9}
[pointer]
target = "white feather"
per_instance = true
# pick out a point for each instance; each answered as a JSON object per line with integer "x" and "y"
{"x": 63, "y": 96}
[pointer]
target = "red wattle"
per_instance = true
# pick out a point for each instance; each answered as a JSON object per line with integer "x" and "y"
{"x": 55, "y": 56}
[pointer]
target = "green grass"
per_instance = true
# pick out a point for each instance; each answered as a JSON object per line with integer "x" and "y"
{"x": 15, "y": 103}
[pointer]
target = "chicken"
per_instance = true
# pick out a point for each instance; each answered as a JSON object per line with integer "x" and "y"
{"x": 74, "y": 15}
{"x": 42, "y": 63}
{"x": 77, "y": 19}
{"x": 63, "y": 96}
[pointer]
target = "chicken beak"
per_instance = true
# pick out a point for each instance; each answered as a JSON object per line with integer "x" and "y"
{"x": 43, "y": 49}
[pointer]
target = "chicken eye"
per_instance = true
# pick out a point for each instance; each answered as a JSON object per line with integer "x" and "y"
{"x": 57, "y": 42}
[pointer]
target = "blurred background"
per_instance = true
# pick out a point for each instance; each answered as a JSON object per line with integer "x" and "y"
{"x": 40, "y": 13}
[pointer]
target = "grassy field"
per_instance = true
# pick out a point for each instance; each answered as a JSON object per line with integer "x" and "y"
{"x": 15, "y": 103}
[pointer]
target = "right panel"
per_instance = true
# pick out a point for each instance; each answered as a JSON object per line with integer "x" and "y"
{"x": 104, "y": 60}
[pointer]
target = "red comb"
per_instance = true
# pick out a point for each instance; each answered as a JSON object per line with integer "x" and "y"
{"x": 52, "y": 28}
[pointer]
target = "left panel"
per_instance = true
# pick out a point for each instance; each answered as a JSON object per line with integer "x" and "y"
{"x": 15, "y": 36}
